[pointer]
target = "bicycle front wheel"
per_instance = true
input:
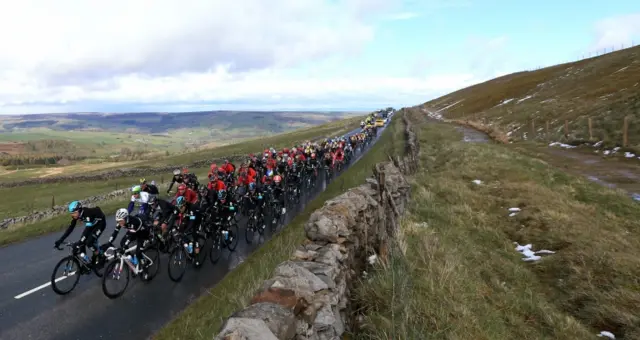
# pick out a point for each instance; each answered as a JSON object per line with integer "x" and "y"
{"x": 249, "y": 229}
{"x": 152, "y": 259}
{"x": 65, "y": 283}
{"x": 232, "y": 240}
{"x": 115, "y": 271}
{"x": 177, "y": 264}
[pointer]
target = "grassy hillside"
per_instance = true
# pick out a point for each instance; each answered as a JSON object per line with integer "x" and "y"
{"x": 455, "y": 274}
{"x": 43, "y": 140}
{"x": 223, "y": 148}
{"x": 27, "y": 198}
{"x": 604, "y": 88}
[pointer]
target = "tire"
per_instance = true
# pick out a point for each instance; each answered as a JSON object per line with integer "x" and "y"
{"x": 75, "y": 277}
{"x": 178, "y": 256}
{"x": 259, "y": 224}
{"x": 152, "y": 270}
{"x": 125, "y": 273}
{"x": 233, "y": 234}
{"x": 216, "y": 248}
{"x": 201, "y": 245}
{"x": 249, "y": 230}
{"x": 99, "y": 268}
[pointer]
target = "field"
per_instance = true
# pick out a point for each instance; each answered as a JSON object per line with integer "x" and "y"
{"x": 203, "y": 318}
{"x": 604, "y": 88}
{"x": 455, "y": 273}
{"x": 45, "y": 141}
{"x": 25, "y": 199}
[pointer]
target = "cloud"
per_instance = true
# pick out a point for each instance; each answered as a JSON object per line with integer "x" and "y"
{"x": 616, "y": 32}
{"x": 403, "y": 16}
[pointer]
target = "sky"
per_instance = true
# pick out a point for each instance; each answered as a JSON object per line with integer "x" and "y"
{"x": 168, "y": 56}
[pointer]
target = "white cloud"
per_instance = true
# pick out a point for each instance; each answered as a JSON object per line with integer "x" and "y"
{"x": 59, "y": 55}
{"x": 615, "y": 32}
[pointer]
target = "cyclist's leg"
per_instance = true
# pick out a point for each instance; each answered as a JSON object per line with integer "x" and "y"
{"x": 92, "y": 239}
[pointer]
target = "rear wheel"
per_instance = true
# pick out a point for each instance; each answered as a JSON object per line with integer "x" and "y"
{"x": 70, "y": 275}
{"x": 232, "y": 238}
{"x": 177, "y": 264}
{"x": 199, "y": 251}
{"x": 250, "y": 228}
{"x": 216, "y": 248}
{"x": 153, "y": 255}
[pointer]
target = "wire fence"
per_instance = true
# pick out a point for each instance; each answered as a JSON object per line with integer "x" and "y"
{"x": 595, "y": 53}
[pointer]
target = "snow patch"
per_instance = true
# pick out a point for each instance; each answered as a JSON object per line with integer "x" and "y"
{"x": 446, "y": 107}
{"x": 629, "y": 155}
{"x": 523, "y": 99}
{"x": 477, "y": 181}
{"x": 607, "y": 334}
{"x": 562, "y": 145}
{"x": 530, "y": 255}
{"x": 622, "y": 69}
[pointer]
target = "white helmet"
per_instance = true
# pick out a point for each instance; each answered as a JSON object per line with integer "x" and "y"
{"x": 121, "y": 214}
{"x": 176, "y": 172}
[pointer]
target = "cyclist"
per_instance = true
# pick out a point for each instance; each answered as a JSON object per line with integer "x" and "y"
{"x": 141, "y": 197}
{"x": 190, "y": 195}
{"x": 94, "y": 223}
{"x": 177, "y": 178}
{"x": 136, "y": 232}
{"x": 151, "y": 189}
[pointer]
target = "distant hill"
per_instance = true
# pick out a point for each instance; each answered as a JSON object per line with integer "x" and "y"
{"x": 158, "y": 123}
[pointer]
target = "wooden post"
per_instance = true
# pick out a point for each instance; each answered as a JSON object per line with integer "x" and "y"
{"x": 547, "y": 131}
{"x": 533, "y": 129}
{"x": 566, "y": 128}
{"x": 53, "y": 201}
{"x": 590, "y": 129}
{"x": 625, "y": 132}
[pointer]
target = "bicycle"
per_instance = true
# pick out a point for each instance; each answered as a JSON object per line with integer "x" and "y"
{"x": 183, "y": 250}
{"x": 224, "y": 236}
{"x": 82, "y": 265}
{"x": 254, "y": 223}
{"x": 123, "y": 262}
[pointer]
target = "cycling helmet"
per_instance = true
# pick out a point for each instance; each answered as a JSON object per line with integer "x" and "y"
{"x": 143, "y": 180}
{"x": 136, "y": 189}
{"x": 180, "y": 201}
{"x": 214, "y": 166}
{"x": 222, "y": 194}
{"x": 121, "y": 214}
{"x": 277, "y": 179}
{"x": 252, "y": 186}
{"x": 176, "y": 172}
{"x": 182, "y": 187}
{"x": 185, "y": 171}
{"x": 75, "y": 206}
{"x": 313, "y": 155}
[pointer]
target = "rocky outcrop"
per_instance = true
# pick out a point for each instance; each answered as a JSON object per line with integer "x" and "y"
{"x": 308, "y": 296}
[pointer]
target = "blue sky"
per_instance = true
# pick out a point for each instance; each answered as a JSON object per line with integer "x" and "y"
{"x": 123, "y": 56}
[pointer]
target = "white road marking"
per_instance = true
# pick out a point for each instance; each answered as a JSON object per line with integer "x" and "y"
{"x": 42, "y": 286}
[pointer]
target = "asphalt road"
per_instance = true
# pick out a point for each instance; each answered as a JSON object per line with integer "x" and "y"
{"x": 29, "y": 309}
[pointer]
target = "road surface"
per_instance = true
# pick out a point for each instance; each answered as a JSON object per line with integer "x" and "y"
{"x": 29, "y": 309}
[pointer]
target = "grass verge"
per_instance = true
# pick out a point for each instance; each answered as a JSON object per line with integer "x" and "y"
{"x": 25, "y": 199}
{"x": 203, "y": 318}
{"x": 455, "y": 273}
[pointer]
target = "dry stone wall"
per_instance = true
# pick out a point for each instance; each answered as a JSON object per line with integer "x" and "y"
{"x": 308, "y": 295}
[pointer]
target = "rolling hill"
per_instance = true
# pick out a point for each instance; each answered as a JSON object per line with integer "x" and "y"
{"x": 604, "y": 89}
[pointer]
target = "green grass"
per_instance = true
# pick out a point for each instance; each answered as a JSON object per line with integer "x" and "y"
{"x": 604, "y": 88}
{"x": 454, "y": 273}
{"x": 203, "y": 318}
{"x": 22, "y": 200}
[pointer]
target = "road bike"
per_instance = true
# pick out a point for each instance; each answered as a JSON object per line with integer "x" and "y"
{"x": 122, "y": 266}
{"x": 75, "y": 264}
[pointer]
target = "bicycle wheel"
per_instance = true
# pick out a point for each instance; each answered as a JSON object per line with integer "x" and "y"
{"x": 260, "y": 224}
{"x": 216, "y": 248}
{"x": 249, "y": 229}
{"x": 152, "y": 256}
{"x": 232, "y": 238}
{"x": 116, "y": 270}
{"x": 199, "y": 249}
{"x": 177, "y": 264}
{"x": 71, "y": 268}
{"x": 99, "y": 266}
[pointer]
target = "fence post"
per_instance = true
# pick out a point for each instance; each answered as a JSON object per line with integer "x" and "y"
{"x": 590, "y": 129}
{"x": 533, "y": 129}
{"x": 547, "y": 131}
{"x": 53, "y": 201}
{"x": 625, "y": 132}
{"x": 566, "y": 129}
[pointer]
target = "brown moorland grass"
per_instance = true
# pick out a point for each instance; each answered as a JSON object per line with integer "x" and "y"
{"x": 456, "y": 275}
{"x": 604, "y": 88}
